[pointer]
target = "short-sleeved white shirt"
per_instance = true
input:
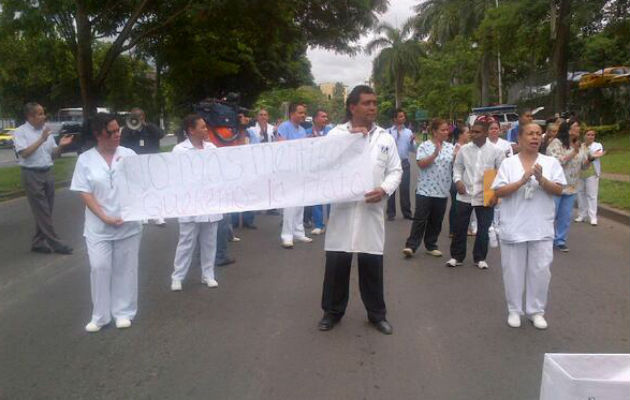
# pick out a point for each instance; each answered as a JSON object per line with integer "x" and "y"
{"x": 521, "y": 219}
{"x": 24, "y": 136}
{"x": 93, "y": 175}
{"x": 504, "y": 145}
{"x": 436, "y": 179}
{"x": 183, "y": 147}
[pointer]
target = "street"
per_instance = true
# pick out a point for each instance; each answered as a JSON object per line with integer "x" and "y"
{"x": 256, "y": 337}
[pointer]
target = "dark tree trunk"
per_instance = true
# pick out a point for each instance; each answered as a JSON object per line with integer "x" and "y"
{"x": 85, "y": 65}
{"x": 485, "y": 78}
{"x": 560, "y": 55}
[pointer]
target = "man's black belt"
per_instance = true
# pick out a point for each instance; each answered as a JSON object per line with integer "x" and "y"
{"x": 37, "y": 169}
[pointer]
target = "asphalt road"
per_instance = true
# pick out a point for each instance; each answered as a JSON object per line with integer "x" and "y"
{"x": 255, "y": 336}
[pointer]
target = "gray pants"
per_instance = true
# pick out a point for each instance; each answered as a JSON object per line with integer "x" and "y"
{"x": 40, "y": 192}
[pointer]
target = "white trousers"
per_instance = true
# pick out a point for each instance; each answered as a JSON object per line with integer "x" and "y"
{"x": 191, "y": 233}
{"x": 292, "y": 223}
{"x": 526, "y": 270}
{"x": 114, "y": 278}
{"x": 588, "y": 189}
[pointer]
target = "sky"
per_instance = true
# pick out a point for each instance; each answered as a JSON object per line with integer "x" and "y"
{"x": 327, "y": 66}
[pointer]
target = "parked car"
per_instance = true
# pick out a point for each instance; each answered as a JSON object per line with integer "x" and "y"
{"x": 505, "y": 113}
{"x": 6, "y": 138}
{"x": 602, "y": 77}
{"x": 575, "y": 76}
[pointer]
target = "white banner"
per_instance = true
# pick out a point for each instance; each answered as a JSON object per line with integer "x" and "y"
{"x": 244, "y": 178}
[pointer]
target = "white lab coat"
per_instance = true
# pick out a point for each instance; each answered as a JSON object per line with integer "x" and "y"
{"x": 256, "y": 137}
{"x": 359, "y": 227}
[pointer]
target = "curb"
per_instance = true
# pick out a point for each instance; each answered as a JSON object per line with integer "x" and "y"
{"x": 614, "y": 214}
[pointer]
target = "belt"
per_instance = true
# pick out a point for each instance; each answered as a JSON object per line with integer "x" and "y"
{"x": 37, "y": 169}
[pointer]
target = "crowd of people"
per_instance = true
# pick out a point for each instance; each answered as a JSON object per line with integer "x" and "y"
{"x": 520, "y": 189}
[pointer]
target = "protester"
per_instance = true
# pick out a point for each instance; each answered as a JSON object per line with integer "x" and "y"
{"x": 36, "y": 149}
{"x": 588, "y": 184}
{"x": 246, "y": 216}
{"x": 460, "y": 138}
{"x": 567, "y": 149}
{"x": 199, "y": 230}
{"x": 550, "y": 134}
{"x": 262, "y": 131}
{"x": 144, "y": 138}
{"x": 435, "y": 161}
{"x": 471, "y": 162}
{"x": 512, "y": 136}
{"x": 320, "y": 128}
{"x": 527, "y": 185}
{"x": 112, "y": 244}
{"x": 292, "y": 217}
{"x": 404, "y": 143}
{"x": 359, "y": 227}
{"x": 494, "y": 128}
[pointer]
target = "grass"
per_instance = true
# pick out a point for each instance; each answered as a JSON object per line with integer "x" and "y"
{"x": 10, "y": 179}
{"x": 615, "y": 194}
{"x": 617, "y": 158}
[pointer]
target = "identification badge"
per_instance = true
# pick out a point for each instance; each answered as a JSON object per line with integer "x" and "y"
{"x": 141, "y": 142}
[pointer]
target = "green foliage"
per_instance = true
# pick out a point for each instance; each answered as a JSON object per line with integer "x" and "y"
{"x": 603, "y": 130}
{"x": 276, "y": 101}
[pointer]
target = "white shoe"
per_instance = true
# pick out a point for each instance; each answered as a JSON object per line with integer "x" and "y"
{"x": 514, "y": 320}
{"x": 407, "y": 252}
{"x": 122, "y": 323}
{"x": 92, "y": 327}
{"x": 434, "y": 252}
{"x": 539, "y": 321}
{"x": 593, "y": 222}
{"x": 304, "y": 239}
{"x": 176, "y": 286}
{"x": 482, "y": 265}
{"x": 235, "y": 239}
{"x": 210, "y": 282}
{"x": 579, "y": 218}
{"x": 318, "y": 231}
{"x": 287, "y": 244}
{"x": 453, "y": 263}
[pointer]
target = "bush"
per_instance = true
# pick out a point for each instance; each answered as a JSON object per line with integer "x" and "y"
{"x": 603, "y": 130}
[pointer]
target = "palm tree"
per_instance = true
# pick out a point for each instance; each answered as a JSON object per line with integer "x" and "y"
{"x": 440, "y": 21}
{"x": 398, "y": 56}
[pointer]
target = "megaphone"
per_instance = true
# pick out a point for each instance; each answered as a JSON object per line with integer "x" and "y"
{"x": 133, "y": 122}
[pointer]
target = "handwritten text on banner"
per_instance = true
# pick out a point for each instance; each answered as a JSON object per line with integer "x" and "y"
{"x": 251, "y": 177}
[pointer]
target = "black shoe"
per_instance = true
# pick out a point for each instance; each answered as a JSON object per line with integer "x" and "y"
{"x": 408, "y": 217}
{"x": 41, "y": 249}
{"x": 272, "y": 212}
{"x": 327, "y": 322}
{"x": 250, "y": 226}
{"x": 63, "y": 250}
{"x": 384, "y": 327}
{"x": 225, "y": 262}
{"x": 563, "y": 248}
{"x": 391, "y": 218}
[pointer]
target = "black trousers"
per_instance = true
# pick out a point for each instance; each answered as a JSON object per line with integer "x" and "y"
{"x": 427, "y": 222}
{"x": 335, "y": 292}
{"x": 460, "y": 235}
{"x": 403, "y": 189}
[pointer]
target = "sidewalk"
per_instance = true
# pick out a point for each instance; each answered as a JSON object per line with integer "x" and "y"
{"x": 616, "y": 177}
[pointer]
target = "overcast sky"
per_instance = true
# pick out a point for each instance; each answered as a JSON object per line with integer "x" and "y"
{"x": 327, "y": 66}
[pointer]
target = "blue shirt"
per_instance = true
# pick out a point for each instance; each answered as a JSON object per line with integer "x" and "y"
{"x": 404, "y": 141}
{"x": 288, "y": 131}
{"x": 435, "y": 180}
{"x": 512, "y": 135}
{"x": 324, "y": 132}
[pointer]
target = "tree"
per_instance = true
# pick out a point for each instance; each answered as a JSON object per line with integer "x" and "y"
{"x": 560, "y": 60}
{"x": 398, "y": 57}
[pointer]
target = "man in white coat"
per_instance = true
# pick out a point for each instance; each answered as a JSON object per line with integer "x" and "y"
{"x": 359, "y": 227}
{"x": 201, "y": 229}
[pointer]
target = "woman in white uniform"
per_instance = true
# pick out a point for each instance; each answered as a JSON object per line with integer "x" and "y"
{"x": 200, "y": 229}
{"x": 112, "y": 243}
{"x": 588, "y": 184}
{"x": 527, "y": 184}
